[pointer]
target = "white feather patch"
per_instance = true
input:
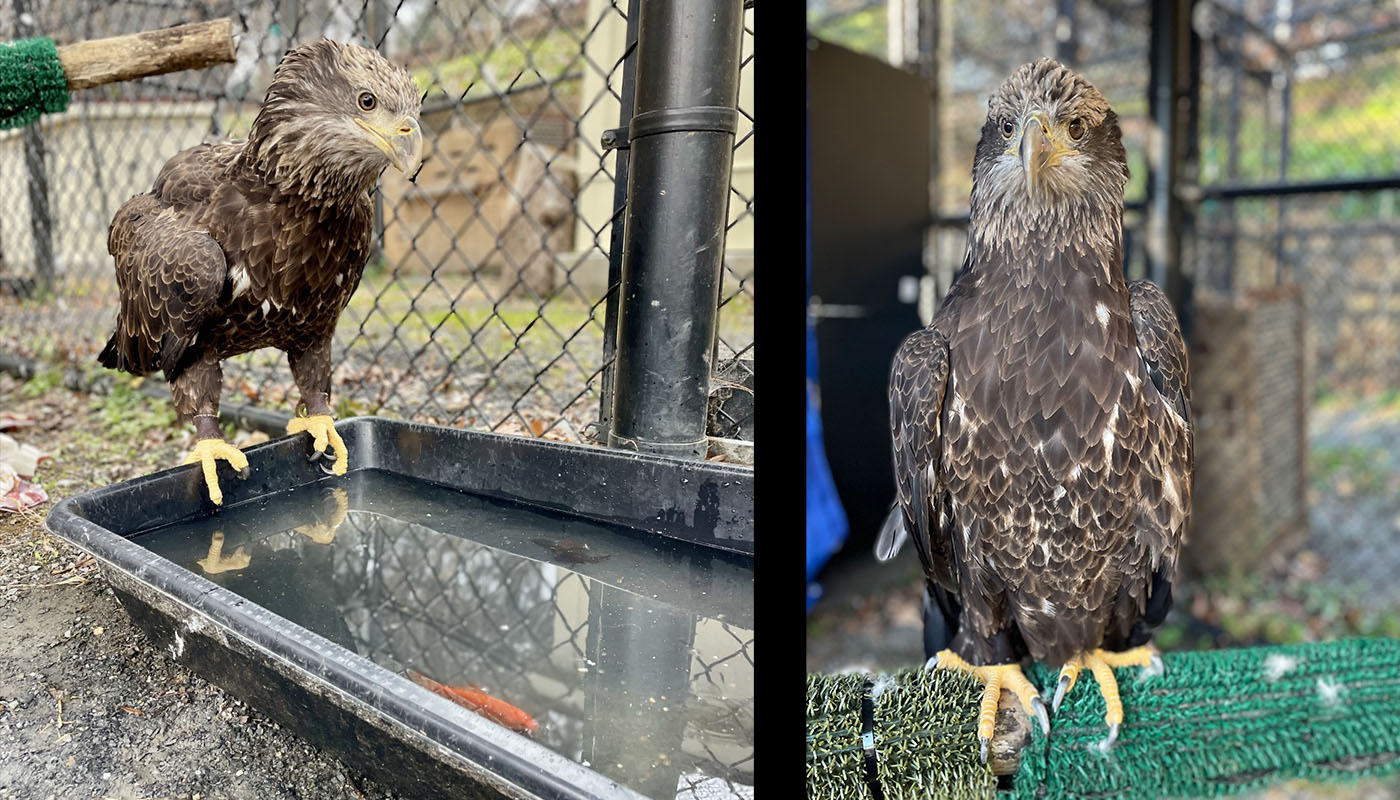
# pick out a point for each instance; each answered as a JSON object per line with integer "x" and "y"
{"x": 241, "y": 281}
{"x": 1101, "y": 311}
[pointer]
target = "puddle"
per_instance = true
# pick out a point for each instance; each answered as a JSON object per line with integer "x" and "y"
{"x": 632, "y": 653}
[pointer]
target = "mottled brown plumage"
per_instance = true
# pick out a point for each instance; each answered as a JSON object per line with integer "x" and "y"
{"x": 244, "y": 245}
{"x": 1042, "y": 442}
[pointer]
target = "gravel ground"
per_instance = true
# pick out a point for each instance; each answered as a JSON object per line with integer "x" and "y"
{"x": 88, "y": 707}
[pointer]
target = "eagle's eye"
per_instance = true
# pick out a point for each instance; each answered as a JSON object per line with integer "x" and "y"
{"x": 1076, "y": 128}
{"x": 1007, "y": 128}
{"x": 367, "y": 101}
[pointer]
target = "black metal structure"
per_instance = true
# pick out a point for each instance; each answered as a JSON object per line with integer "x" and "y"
{"x": 681, "y": 138}
{"x": 869, "y": 217}
{"x": 1174, "y": 55}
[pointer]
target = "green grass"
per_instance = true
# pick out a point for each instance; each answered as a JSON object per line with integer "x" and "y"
{"x": 863, "y": 31}
{"x": 44, "y": 381}
{"x": 1365, "y": 468}
{"x": 551, "y": 55}
{"x": 128, "y": 414}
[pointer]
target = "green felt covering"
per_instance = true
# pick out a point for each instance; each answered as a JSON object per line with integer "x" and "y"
{"x": 1216, "y": 723}
{"x": 31, "y": 81}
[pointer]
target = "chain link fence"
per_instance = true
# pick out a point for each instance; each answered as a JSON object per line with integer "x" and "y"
{"x": 1292, "y": 249}
{"x": 484, "y": 304}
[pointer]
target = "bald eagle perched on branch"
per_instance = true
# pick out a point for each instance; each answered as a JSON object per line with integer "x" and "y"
{"x": 1041, "y": 423}
{"x": 244, "y": 245}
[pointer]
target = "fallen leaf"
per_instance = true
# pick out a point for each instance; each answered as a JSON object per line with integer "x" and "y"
{"x": 97, "y": 631}
{"x": 133, "y": 710}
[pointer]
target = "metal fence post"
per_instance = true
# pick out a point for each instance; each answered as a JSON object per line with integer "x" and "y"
{"x": 616, "y": 140}
{"x": 682, "y": 140}
{"x": 40, "y": 223}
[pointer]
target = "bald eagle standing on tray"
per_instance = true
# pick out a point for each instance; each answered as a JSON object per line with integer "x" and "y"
{"x": 244, "y": 245}
{"x": 1041, "y": 423}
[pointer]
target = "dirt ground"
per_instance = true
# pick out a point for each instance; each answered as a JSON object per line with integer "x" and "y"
{"x": 88, "y": 707}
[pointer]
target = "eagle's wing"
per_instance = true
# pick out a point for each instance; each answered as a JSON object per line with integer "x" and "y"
{"x": 918, "y": 380}
{"x": 1162, "y": 346}
{"x": 1164, "y": 353}
{"x": 169, "y": 276}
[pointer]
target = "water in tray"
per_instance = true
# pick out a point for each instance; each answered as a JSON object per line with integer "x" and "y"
{"x": 633, "y": 653}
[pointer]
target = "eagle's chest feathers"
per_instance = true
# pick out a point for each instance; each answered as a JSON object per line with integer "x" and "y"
{"x": 1046, "y": 418}
{"x": 289, "y": 280}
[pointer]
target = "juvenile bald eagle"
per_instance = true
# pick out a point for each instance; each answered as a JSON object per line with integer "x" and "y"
{"x": 244, "y": 245}
{"x": 1041, "y": 424}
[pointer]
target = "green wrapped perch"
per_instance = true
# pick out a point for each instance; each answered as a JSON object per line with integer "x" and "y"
{"x": 36, "y": 76}
{"x": 31, "y": 81}
{"x": 1217, "y": 723}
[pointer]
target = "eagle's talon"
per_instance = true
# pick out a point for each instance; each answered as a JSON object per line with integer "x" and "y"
{"x": 1069, "y": 673}
{"x": 1038, "y": 711}
{"x": 932, "y": 662}
{"x": 323, "y": 433}
{"x": 997, "y": 677}
{"x": 1060, "y": 689}
{"x": 207, "y": 453}
{"x": 1112, "y": 735}
{"x": 983, "y": 745}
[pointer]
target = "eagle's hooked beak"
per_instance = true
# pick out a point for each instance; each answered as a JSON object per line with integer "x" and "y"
{"x": 1042, "y": 147}
{"x": 402, "y": 143}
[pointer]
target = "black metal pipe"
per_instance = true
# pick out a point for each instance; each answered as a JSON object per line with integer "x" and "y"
{"x": 616, "y": 241}
{"x": 1228, "y": 191}
{"x": 682, "y": 143}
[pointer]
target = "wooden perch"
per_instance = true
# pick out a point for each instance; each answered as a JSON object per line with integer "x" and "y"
{"x": 137, "y": 55}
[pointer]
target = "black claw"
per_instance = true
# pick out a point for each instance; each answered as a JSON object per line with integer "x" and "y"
{"x": 245, "y": 473}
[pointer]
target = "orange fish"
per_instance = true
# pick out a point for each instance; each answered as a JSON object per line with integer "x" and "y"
{"x": 498, "y": 711}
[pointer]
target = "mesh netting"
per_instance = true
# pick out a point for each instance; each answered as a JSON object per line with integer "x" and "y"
{"x": 1216, "y": 723}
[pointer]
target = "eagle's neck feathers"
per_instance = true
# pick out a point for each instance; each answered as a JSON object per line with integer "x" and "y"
{"x": 297, "y": 157}
{"x": 1011, "y": 236}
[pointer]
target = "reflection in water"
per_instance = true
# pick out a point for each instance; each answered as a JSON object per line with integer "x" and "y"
{"x": 215, "y": 561}
{"x": 633, "y": 653}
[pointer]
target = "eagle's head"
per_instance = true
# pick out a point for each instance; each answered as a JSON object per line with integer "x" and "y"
{"x": 334, "y": 117}
{"x": 1051, "y": 153}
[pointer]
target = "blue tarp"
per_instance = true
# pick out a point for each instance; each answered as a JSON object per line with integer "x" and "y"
{"x": 826, "y": 520}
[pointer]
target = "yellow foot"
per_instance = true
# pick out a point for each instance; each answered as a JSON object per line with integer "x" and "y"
{"x": 322, "y": 430}
{"x": 997, "y": 677}
{"x": 324, "y": 532}
{"x": 215, "y": 561}
{"x": 1102, "y": 663}
{"x": 208, "y": 452}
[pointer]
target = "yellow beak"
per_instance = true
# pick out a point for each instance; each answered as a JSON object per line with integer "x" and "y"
{"x": 403, "y": 143}
{"x": 1041, "y": 148}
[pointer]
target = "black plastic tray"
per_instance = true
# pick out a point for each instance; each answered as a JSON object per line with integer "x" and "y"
{"x": 383, "y": 724}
